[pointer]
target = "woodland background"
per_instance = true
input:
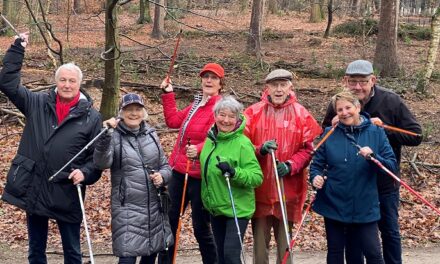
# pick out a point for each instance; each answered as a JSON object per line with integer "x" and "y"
{"x": 125, "y": 46}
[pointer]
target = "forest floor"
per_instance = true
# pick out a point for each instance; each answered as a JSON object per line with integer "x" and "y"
{"x": 290, "y": 42}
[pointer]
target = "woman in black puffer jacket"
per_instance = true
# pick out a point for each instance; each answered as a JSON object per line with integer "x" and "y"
{"x": 139, "y": 169}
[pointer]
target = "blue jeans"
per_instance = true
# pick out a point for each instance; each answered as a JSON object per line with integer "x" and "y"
{"x": 366, "y": 233}
{"x": 200, "y": 217}
{"x": 37, "y": 232}
{"x": 389, "y": 227}
{"x": 144, "y": 260}
{"x": 226, "y": 238}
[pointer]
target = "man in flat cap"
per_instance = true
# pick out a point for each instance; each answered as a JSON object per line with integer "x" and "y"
{"x": 280, "y": 124}
{"x": 384, "y": 107}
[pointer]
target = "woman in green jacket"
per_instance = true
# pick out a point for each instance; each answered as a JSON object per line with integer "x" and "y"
{"x": 229, "y": 153}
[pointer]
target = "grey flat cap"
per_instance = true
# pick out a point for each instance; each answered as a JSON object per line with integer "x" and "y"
{"x": 279, "y": 74}
{"x": 359, "y": 67}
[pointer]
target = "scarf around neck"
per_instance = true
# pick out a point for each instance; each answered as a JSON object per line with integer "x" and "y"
{"x": 63, "y": 109}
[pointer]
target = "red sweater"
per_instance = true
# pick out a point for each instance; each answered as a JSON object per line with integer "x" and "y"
{"x": 196, "y": 130}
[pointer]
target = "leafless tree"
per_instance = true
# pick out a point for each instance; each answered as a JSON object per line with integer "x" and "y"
{"x": 385, "y": 57}
{"x": 256, "y": 28}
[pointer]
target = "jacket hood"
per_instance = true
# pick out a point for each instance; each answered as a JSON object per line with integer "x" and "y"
{"x": 291, "y": 98}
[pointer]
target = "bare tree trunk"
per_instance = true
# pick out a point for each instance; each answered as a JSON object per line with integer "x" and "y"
{"x": 422, "y": 85}
{"x": 315, "y": 12}
{"x": 376, "y": 5}
{"x": 330, "y": 18}
{"x": 77, "y": 6}
{"x": 159, "y": 20}
{"x": 285, "y": 4}
{"x": 144, "y": 12}
{"x": 272, "y": 6}
{"x": 5, "y": 12}
{"x": 110, "y": 93}
{"x": 355, "y": 8}
{"x": 256, "y": 28}
{"x": 385, "y": 57}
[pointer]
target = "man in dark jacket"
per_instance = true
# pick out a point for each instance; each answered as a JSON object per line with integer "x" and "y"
{"x": 58, "y": 125}
{"x": 385, "y": 107}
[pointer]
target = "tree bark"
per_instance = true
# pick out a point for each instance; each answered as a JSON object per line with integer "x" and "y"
{"x": 385, "y": 57}
{"x": 159, "y": 20}
{"x": 315, "y": 12}
{"x": 272, "y": 6}
{"x": 355, "y": 8}
{"x": 144, "y": 12}
{"x": 330, "y": 18}
{"x": 110, "y": 93}
{"x": 256, "y": 28}
{"x": 77, "y": 6}
{"x": 5, "y": 12}
{"x": 423, "y": 83}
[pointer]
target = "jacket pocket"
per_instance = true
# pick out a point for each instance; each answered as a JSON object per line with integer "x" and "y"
{"x": 20, "y": 176}
{"x": 62, "y": 197}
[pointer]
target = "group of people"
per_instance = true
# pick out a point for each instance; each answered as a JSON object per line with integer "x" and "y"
{"x": 223, "y": 159}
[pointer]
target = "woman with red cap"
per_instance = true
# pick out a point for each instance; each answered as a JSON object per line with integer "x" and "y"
{"x": 193, "y": 122}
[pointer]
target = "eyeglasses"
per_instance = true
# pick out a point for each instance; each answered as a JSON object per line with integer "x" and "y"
{"x": 210, "y": 75}
{"x": 352, "y": 82}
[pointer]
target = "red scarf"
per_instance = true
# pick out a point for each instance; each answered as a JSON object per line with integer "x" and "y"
{"x": 64, "y": 108}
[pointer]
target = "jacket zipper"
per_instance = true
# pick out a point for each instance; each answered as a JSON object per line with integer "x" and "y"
{"x": 192, "y": 111}
{"x": 205, "y": 170}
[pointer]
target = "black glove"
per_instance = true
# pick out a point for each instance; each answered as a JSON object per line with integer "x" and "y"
{"x": 268, "y": 146}
{"x": 104, "y": 141}
{"x": 226, "y": 169}
{"x": 283, "y": 169}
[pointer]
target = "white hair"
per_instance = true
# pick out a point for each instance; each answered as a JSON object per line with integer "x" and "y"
{"x": 230, "y": 103}
{"x": 70, "y": 67}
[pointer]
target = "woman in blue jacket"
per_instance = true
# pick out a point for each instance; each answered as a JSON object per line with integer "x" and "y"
{"x": 347, "y": 194}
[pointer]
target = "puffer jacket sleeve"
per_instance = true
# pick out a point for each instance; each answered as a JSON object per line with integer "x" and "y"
{"x": 103, "y": 154}
{"x": 10, "y": 76}
{"x": 249, "y": 172}
{"x": 164, "y": 167}
{"x": 173, "y": 117}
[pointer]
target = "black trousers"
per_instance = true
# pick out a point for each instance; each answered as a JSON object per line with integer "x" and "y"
{"x": 200, "y": 217}
{"x": 227, "y": 239}
{"x": 366, "y": 233}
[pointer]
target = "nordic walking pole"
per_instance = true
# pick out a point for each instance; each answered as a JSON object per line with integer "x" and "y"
{"x": 227, "y": 176}
{"x": 292, "y": 242}
{"x": 396, "y": 129}
{"x": 282, "y": 200}
{"x": 89, "y": 242}
{"x": 79, "y": 153}
{"x": 173, "y": 58}
{"x": 391, "y": 174}
{"x": 324, "y": 138}
{"x": 9, "y": 24}
{"x": 378, "y": 163}
{"x": 182, "y": 208}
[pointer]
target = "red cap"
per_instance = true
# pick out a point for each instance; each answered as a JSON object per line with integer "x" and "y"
{"x": 215, "y": 68}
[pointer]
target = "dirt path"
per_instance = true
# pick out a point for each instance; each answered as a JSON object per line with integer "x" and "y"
{"x": 429, "y": 255}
